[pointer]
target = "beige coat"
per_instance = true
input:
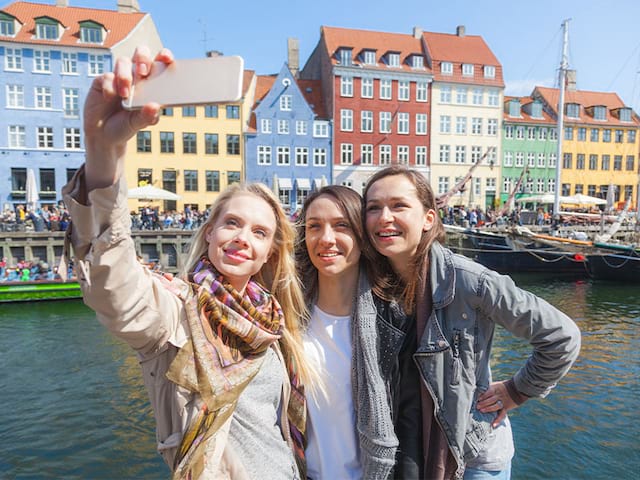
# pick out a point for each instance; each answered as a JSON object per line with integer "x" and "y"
{"x": 138, "y": 307}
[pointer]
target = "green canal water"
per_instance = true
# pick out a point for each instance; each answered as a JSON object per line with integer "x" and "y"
{"x": 74, "y": 407}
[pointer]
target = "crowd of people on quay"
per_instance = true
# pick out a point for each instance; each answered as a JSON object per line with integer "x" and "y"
{"x": 31, "y": 270}
{"x": 51, "y": 218}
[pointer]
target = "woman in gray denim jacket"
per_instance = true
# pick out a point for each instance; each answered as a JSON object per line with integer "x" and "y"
{"x": 443, "y": 343}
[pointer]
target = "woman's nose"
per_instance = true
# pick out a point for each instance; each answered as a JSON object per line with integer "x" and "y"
{"x": 385, "y": 214}
{"x": 328, "y": 235}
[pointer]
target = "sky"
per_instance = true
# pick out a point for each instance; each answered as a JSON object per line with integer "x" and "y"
{"x": 525, "y": 36}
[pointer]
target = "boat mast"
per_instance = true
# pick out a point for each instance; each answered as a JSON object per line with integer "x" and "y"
{"x": 564, "y": 65}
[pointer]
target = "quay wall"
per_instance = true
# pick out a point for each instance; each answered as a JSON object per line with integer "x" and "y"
{"x": 166, "y": 247}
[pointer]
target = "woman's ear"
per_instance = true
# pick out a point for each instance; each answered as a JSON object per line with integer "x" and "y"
{"x": 207, "y": 233}
{"x": 429, "y": 220}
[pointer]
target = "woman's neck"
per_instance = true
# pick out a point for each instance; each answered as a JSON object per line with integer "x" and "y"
{"x": 336, "y": 295}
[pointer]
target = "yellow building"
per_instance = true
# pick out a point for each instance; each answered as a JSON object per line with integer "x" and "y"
{"x": 193, "y": 151}
{"x": 599, "y": 144}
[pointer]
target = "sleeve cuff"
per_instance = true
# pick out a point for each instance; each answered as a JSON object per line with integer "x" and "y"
{"x": 518, "y": 397}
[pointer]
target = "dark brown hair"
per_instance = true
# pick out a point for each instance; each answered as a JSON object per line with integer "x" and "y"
{"x": 386, "y": 282}
{"x": 350, "y": 204}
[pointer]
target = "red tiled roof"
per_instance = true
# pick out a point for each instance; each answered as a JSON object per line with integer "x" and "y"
{"x": 470, "y": 49}
{"x": 381, "y": 42}
{"x": 263, "y": 85}
{"x": 117, "y": 24}
{"x": 246, "y": 80}
{"x": 586, "y": 99}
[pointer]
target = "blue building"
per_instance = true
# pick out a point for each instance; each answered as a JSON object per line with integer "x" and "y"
{"x": 49, "y": 56}
{"x": 288, "y": 143}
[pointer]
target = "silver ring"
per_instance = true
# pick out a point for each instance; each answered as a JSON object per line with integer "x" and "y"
{"x": 500, "y": 405}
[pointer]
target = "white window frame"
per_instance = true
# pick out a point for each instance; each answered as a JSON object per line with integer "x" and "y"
{"x": 320, "y": 129}
{"x": 346, "y": 120}
{"x": 493, "y": 97}
{"x": 283, "y": 127}
{"x": 366, "y": 121}
{"x": 476, "y": 125}
{"x": 385, "y": 89}
{"x": 71, "y": 102}
{"x": 445, "y": 123}
{"x": 283, "y": 155}
{"x": 446, "y": 68}
{"x": 492, "y": 126}
{"x": 542, "y": 160}
{"x": 507, "y": 159}
{"x": 346, "y": 86}
{"x": 41, "y": 61}
{"x": 393, "y": 60}
{"x": 403, "y": 154}
{"x": 15, "y": 96}
{"x": 285, "y": 103}
{"x": 69, "y": 65}
{"x": 44, "y": 137}
{"x": 403, "y": 123}
{"x": 421, "y": 123}
{"x": 467, "y": 70}
{"x": 422, "y": 89}
{"x": 445, "y": 94}
{"x": 461, "y": 125}
{"x": 385, "y": 122}
{"x": 477, "y": 96}
{"x": 461, "y": 154}
{"x": 95, "y": 65}
{"x": 301, "y": 127}
{"x": 385, "y": 154}
{"x": 489, "y": 71}
{"x": 346, "y": 154}
{"x": 404, "y": 90}
{"x": 519, "y": 159}
{"x": 462, "y": 95}
{"x": 421, "y": 155}
{"x": 302, "y": 156}
{"x": 476, "y": 153}
{"x": 72, "y": 138}
{"x": 264, "y": 155}
{"x": 369, "y": 57}
{"x": 319, "y": 157}
{"x": 13, "y": 59}
{"x": 17, "y": 137}
{"x": 42, "y": 98}
{"x": 444, "y": 154}
{"x": 265, "y": 125}
{"x": 366, "y": 154}
{"x": 366, "y": 87}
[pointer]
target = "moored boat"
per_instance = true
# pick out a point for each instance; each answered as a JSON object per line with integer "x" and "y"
{"x": 38, "y": 290}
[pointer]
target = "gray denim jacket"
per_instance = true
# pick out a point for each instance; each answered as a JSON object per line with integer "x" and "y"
{"x": 453, "y": 355}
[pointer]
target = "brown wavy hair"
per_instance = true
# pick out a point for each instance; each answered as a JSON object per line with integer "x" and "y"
{"x": 386, "y": 282}
{"x": 350, "y": 203}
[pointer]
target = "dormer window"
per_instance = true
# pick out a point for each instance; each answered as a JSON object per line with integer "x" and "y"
{"x": 446, "y": 68}
{"x": 467, "y": 69}
{"x": 91, "y": 32}
{"x": 599, "y": 112}
{"x": 369, "y": 57}
{"x": 393, "y": 59}
{"x": 417, "y": 61}
{"x": 536, "y": 109}
{"x": 573, "y": 110}
{"x": 344, "y": 55}
{"x": 7, "y": 25}
{"x": 47, "y": 29}
{"x": 489, "y": 71}
{"x": 514, "y": 108}
{"x": 625, "y": 114}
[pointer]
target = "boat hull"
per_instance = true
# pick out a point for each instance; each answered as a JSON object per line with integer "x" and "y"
{"x": 614, "y": 267}
{"x": 36, "y": 291}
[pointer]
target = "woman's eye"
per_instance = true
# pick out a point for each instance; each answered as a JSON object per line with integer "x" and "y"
{"x": 231, "y": 221}
{"x": 372, "y": 208}
{"x": 345, "y": 225}
{"x": 312, "y": 226}
{"x": 261, "y": 233}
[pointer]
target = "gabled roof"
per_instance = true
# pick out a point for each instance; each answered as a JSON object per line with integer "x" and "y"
{"x": 459, "y": 49}
{"x": 247, "y": 76}
{"x": 586, "y": 99}
{"x": 117, "y": 24}
{"x": 381, "y": 42}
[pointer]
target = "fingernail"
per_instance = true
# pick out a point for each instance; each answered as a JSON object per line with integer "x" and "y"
{"x": 124, "y": 92}
{"x": 142, "y": 69}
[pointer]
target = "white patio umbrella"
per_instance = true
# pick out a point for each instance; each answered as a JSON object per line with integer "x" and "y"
{"x": 149, "y": 192}
{"x": 31, "y": 188}
{"x": 580, "y": 199}
{"x": 611, "y": 197}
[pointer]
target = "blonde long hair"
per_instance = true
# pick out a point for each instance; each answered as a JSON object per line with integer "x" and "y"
{"x": 278, "y": 275}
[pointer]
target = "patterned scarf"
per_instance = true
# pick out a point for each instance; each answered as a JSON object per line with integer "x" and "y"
{"x": 230, "y": 333}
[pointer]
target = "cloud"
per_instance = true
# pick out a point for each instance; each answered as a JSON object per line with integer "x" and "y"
{"x": 520, "y": 88}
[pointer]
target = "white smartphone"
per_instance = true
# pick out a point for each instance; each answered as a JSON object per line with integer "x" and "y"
{"x": 195, "y": 81}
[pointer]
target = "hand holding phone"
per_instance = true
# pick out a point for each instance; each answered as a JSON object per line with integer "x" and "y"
{"x": 196, "y": 81}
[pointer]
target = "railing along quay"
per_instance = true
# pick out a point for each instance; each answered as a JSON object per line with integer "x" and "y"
{"x": 165, "y": 247}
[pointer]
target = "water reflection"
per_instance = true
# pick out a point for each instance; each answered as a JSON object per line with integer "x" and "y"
{"x": 76, "y": 407}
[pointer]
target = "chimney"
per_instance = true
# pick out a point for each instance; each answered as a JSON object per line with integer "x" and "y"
{"x": 460, "y": 30}
{"x": 293, "y": 56}
{"x": 214, "y": 53}
{"x": 571, "y": 80}
{"x": 417, "y": 33}
{"x": 128, "y": 6}
{"x": 62, "y": 3}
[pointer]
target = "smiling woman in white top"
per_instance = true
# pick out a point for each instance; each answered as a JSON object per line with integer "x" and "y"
{"x": 347, "y": 438}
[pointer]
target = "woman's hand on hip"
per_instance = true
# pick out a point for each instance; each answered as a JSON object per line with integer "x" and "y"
{"x": 496, "y": 399}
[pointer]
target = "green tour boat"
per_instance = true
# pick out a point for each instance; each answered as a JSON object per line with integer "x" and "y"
{"x": 38, "y": 290}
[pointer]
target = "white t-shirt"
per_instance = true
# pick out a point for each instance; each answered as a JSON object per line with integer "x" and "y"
{"x": 332, "y": 448}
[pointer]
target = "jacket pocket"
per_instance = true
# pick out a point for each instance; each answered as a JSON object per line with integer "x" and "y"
{"x": 477, "y": 434}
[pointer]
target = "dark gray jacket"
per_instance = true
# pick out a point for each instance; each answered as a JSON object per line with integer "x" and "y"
{"x": 468, "y": 300}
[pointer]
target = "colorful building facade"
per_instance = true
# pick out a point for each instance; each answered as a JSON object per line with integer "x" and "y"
{"x": 49, "y": 55}
{"x": 288, "y": 143}
{"x": 193, "y": 151}
{"x": 376, "y": 89}
{"x": 466, "y": 116}
{"x": 599, "y": 144}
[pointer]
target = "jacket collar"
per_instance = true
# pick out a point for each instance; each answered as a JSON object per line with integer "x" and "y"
{"x": 442, "y": 275}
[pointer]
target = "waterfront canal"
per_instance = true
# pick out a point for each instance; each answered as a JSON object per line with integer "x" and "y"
{"x": 74, "y": 406}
